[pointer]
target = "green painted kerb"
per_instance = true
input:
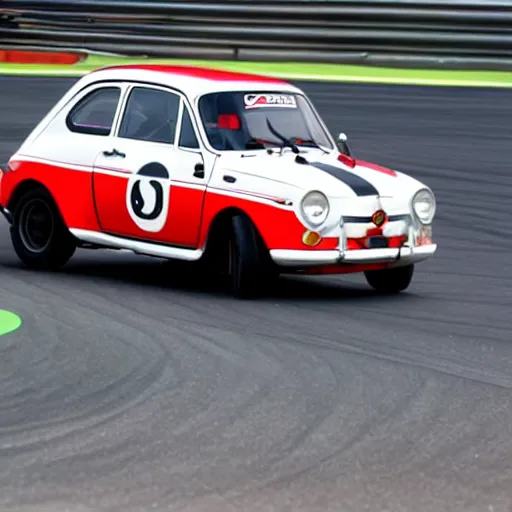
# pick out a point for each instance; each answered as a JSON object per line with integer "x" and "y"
{"x": 8, "y": 322}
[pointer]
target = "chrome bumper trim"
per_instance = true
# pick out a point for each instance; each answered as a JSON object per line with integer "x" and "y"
{"x": 311, "y": 258}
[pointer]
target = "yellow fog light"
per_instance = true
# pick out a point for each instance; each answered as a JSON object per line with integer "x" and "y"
{"x": 311, "y": 238}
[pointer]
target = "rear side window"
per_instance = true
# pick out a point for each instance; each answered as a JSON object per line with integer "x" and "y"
{"x": 150, "y": 115}
{"x": 188, "y": 137}
{"x": 94, "y": 113}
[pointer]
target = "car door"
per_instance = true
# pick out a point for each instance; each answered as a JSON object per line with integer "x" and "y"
{"x": 145, "y": 186}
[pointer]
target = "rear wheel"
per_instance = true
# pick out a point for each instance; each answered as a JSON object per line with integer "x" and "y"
{"x": 39, "y": 236}
{"x": 392, "y": 280}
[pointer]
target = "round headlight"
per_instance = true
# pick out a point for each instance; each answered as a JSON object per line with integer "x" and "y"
{"x": 424, "y": 204}
{"x": 315, "y": 207}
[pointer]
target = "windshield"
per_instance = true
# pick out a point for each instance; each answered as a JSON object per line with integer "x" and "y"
{"x": 237, "y": 121}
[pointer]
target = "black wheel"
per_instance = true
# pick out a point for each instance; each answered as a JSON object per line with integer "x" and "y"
{"x": 392, "y": 280}
{"x": 248, "y": 268}
{"x": 39, "y": 236}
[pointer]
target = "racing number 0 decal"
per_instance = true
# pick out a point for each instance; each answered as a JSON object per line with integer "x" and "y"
{"x": 147, "y": 197}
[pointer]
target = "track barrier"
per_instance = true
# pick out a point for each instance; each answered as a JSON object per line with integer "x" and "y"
{"x": 428, "y": 33}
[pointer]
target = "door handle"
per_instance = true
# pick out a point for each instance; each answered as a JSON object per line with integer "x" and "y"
{"x": 114, "y": 152}
{"x": 199, "y": 170}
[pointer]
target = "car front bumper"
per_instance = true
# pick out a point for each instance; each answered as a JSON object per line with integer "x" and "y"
{"x": 397, "y": 257}
{"x": 410, "y": 252}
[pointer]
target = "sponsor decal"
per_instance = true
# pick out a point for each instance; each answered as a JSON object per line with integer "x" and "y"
{"x": 147, "y": 197}
{"x": 269, "y": 100}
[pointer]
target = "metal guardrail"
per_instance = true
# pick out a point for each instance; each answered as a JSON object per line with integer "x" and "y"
{"x": 458, "y": 33}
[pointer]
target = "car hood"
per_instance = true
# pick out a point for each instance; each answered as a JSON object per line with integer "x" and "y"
{"x": 324, "y": 172}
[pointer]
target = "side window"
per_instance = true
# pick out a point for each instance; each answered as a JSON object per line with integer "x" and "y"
{"x": 150, "y": 115}
{"x": 94, "y": 113}
{"x": 188, "y": 137}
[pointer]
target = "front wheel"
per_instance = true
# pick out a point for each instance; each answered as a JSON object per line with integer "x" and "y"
{"x": 39, "y": 236}
{"x": 391, "y": 280}
{"x": 249, "y": 270}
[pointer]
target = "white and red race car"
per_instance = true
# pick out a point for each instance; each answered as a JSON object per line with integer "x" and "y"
{"x": 237, "y": 171}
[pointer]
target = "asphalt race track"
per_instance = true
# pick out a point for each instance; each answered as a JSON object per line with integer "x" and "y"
{"x": 133, "y": 388}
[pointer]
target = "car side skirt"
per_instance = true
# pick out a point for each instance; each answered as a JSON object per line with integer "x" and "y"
{"x": 136, "y": 246}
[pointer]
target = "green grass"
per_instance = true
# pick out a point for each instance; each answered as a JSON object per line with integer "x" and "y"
{"x": 291, "y": 71}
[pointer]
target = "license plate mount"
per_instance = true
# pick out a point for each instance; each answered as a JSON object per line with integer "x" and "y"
{"x": 377, "y": 242}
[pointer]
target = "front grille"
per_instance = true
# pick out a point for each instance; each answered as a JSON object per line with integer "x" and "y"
{"x": 366, "y": 220}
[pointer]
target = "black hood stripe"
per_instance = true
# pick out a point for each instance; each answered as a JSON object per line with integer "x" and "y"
{"x": 359, "y": 185}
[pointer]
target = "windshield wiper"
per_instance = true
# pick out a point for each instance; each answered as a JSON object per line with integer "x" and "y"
{"x": 292, "y": 141}
{"x": 305, "y": 142}
{"x": 285, "y": 142}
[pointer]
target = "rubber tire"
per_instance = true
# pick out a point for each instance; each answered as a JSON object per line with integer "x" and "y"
{"x": 392, "y": 280}
{"x": 62, "y": 244}
{"x": 249, "y": 275}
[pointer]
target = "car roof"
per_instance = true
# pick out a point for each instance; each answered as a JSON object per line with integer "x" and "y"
{"x": 191, "y": 80}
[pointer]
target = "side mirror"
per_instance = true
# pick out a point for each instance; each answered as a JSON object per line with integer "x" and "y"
{"x": 343, "y": 144}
